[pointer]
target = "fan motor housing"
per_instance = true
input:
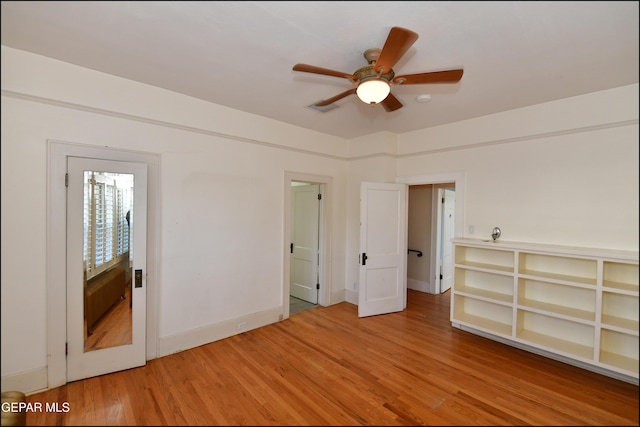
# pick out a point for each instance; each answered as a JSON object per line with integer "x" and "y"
{"x": 368, "y": 72}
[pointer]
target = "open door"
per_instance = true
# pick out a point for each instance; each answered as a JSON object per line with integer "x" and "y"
{"x": 305, "y": 215}
{"x": 383, "y": 248}
{"x": 445, "y": 232}
{"x": 446, "y": 250}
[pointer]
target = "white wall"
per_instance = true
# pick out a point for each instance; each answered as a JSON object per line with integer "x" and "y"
{"x": 564, "y": 172}
{"x": 221, "y": 201}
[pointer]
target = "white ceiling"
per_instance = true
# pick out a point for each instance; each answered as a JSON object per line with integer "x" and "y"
{"x": 240, "y": 53}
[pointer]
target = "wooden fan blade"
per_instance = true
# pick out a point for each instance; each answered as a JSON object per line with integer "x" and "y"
{"x": 324, "y": 71}
{"x": 398, "y": 42}
{"x": 335, "y": 98}
{"x": 448, "y": 76}
{"x": 391, "y": 103}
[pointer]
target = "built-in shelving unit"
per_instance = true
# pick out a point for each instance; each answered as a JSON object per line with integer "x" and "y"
{"x": 577, "y": 304}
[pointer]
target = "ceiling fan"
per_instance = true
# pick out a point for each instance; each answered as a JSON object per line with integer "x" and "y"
{"x": 373, "y": 82}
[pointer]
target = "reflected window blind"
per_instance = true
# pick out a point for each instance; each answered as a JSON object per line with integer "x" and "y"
{"x": 107, "y": 199}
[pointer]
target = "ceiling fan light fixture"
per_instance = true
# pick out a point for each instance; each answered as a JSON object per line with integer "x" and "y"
{"x": 373, "y": 81}
{"x": 373, "y": 91}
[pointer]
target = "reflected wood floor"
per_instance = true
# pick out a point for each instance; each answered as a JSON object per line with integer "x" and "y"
{"x": 325, "y": 366}
{"x": 114, "y": 328}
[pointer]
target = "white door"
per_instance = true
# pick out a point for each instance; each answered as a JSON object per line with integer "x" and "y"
{"x": 383, "y": 248}
{"x": 305, "y": 214}
{"x": 446, "y": 249}
{"x": 83, "y": 363}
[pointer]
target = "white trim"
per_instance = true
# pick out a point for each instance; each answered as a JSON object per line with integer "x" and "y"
{"x": 56, "y": 248}
{"x": 418, "y": 285}
{"x": 27, "y": 382}
{"x": 163, "y": 123}
{"x": 351, "y": 296}
{"x": 207, "y": 334}
{"x": 485, "y": 143}
{"x": 540, "y": 135}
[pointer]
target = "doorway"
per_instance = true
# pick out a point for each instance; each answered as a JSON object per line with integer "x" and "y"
{"x": 306, "y": 271}
{"x": 59, "y": 154}
{"x": 455, "y": 182}
{"x": 431, "y": 221}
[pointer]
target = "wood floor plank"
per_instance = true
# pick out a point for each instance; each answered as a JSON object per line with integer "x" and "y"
{"x": 325, "y": 366}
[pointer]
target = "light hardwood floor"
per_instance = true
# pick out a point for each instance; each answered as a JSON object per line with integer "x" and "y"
{"x": 326, "y": 366}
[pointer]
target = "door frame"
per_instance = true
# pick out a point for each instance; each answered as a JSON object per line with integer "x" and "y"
{"x": 57, "y": 153}
{"x": 459, "y": 181}
{"x": 324, "y": 241}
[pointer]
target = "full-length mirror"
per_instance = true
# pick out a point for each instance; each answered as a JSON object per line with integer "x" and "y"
{"x": 108, "y": 227}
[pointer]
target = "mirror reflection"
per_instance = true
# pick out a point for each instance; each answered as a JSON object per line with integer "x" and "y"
{"x": 107, "y": 259}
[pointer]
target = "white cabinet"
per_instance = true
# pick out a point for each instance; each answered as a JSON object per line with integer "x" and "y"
{"x": 578, "y": 304}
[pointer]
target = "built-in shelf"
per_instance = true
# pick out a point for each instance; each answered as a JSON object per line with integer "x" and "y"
{"x": 553, "y": 298}
{"x": 619, "y": 349}
{"x": 483, "y": 284}
{"x": 489, "y": 316}
{"x": 578, "y": 303}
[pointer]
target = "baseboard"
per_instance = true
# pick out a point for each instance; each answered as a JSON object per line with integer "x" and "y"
{"x": 207, "y": 334}
{"x": 337, "y": 297}
{"x": 351, "y": 296}
{"x": 27, "y": 382}
{"x": 419, "y": 285}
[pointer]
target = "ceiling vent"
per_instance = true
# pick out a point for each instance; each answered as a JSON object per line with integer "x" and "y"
{"x": 323, "y": 109}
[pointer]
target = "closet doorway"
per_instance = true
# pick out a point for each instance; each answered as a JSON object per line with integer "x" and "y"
{"x": 306, "y": 234}
{"x": 435, "y": 216}
{"x": 431, "y": 226}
